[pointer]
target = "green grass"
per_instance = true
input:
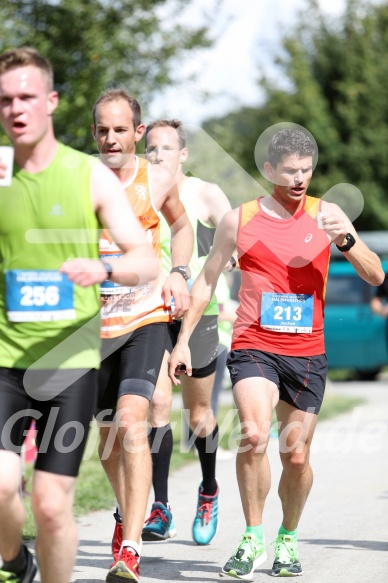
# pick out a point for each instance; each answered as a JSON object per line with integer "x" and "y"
{"x": 334, "y": 405}
{"x": 341, "y": 374}
{"x": 350, "y": 374}
{"x": 29, "y": 529}
{"x": 93, "y": 491}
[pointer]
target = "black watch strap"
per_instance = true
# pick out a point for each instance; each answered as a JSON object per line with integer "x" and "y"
{"x": 350, "y": 242}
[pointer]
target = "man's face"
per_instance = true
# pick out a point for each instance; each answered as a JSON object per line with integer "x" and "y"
{"x": 114, "y": 133}
{"x": 163, "y": 148}
{"x": 26, "y": 105}
{"x": 291, "y": 178}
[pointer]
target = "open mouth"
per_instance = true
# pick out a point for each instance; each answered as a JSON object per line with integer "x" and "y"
{"x": 18, "y": 125}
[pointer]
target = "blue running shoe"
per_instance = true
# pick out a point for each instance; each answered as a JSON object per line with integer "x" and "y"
{"x": 206, "y": 520}
{"x": 159, "y": 526}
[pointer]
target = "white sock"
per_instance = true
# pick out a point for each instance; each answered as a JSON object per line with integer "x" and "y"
{"x": 132, "y": 545}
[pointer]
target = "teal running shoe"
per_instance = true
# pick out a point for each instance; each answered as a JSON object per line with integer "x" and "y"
{"x": 249, "y": 554}
{"x": 206, "y": 519}
{"x": 159, "y": 526}
{"x": 286, "y": 562}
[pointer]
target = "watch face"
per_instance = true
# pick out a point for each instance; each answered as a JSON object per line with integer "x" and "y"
{"x": 186, "y": 272}
{"x": 349, "y": 244}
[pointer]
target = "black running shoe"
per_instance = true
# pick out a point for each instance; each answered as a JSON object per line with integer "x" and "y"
{"x": 26, "y": 577}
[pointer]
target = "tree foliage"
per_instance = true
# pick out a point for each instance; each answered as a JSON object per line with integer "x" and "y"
{"x": 95, "y": 44}
{"x": 332, "y": 79}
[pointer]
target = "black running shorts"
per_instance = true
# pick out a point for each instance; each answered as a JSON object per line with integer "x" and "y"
{"x": 300, "y": 379}
{"x": 203, "y": 345}
{"x": 130, "y": 366}
{"x": 61, "y": 402}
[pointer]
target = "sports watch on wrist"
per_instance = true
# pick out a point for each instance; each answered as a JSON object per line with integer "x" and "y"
{"x": 233, "y": 263}
{"x": 108, "y": 269}
{"x": 350, "y": 242}
{"x": 184, "y": 270}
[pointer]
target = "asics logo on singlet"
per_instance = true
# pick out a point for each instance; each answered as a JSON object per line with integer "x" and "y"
{"x": 141, "y": 191}
{"x": 308, "y": 238}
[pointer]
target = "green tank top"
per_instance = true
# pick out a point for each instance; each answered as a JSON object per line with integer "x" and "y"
{"x": 46, "y": 322}
{"x": 203, "y": 238}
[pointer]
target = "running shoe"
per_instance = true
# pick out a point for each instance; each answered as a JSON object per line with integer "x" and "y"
{"x": 206, "y": 519}
{"x": 286, "y": 562}
{"x": 117, "y": 538}
{"x": 249, "y": 554}
{"x": 26, "y": 577}
{"x": 126, "y": 568}
{"x": 159, "y": 526}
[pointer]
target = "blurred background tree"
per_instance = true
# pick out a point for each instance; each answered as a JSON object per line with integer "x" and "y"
{"x": 95, "y": 44}
{"x": 332, "y": 78}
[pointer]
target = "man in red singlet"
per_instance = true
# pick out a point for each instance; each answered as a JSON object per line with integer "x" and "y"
{"x": 278, "y": 357}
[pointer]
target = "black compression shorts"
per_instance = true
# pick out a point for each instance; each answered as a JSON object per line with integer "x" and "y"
{"x": 300, "y": 380}
{"x": 203, "y": 345}
{"x": 130, "y": 366}
{"x": 61, "y": 402}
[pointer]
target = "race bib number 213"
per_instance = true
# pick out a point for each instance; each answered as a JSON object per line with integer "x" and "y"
{"x": 287, "y": 312}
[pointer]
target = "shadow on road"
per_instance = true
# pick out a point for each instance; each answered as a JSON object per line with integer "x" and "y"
{"x": 370, "y": 545}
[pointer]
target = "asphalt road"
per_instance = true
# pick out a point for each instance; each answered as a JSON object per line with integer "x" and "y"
{"x": 343, "y": 534}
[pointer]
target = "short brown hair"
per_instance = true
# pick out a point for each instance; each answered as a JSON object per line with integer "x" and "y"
{"x": 115, "y": 95}
{"x": 291, "y": 141}
{"x": 176, "y": 124}
{"x": 23, "y": 57}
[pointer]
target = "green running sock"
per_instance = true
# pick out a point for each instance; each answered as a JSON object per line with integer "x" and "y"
{"x": 257, "y": 531}
{"x": 292, "y": 533}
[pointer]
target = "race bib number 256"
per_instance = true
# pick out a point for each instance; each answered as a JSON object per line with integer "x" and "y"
{"x": 38, "y": 296}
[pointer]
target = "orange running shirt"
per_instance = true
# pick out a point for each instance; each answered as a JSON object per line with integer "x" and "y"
{"x": 284, "y": 265}
{"x": 124, "y": 309}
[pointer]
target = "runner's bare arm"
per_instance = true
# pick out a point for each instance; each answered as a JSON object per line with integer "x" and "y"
{"x": 182, "y": 239}
{"x": 365, "y": 262}
{"x": 215, "y": 203}
{"x": 225, "y": 240}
